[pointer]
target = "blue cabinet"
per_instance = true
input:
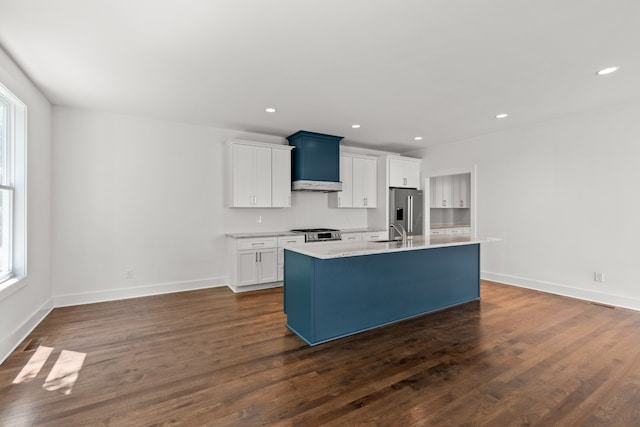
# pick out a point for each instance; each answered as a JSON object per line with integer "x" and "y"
{"x": 327, "y": 299}
{"x": 316, "y": 156}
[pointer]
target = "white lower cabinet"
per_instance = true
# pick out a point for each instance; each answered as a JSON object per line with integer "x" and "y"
{"x": 375, "y": 235}
{"x": 451, "y": 230}
{"x": 254, "y": 261}
{"x": 351, "y": 236}
{"x": 365, "y": 235}
{"x": 282, "y": 242}
{"x": 257, "y": 266}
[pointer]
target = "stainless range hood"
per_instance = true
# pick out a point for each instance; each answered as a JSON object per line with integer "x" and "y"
{"x": 315, "y": 164}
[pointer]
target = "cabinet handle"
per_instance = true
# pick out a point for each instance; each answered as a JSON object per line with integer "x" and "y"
{"x": 339, "y": 203}
{"x": 257, "y": 244}
{"x": 260, "y": 256}
{"x": 256, "y": 256}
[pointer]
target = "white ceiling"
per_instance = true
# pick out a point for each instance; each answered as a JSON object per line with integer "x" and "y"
{"x": 440, "y": 69}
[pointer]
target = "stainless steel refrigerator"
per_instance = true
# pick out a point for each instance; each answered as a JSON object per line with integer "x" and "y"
{"x": 406, "y": 208}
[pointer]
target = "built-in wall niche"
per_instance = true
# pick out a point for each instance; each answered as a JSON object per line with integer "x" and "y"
{"x": 450, "y": 200}
{"x": 450, "y": 217}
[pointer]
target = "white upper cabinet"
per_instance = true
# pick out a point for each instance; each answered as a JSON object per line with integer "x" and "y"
{"x": 343, "y": 199}
{"x": 251, "y": 176}
{"x": 359, "y": 177}
{"x": 450, "y": 191}
{"x": 461, "y": 193}
{"x": 442, "y": 192}
{"x": 280, "y": 178}
{"x": 404, "y": 172}
{"x": 260, "y": 175}
{"x": 365, "y": 179}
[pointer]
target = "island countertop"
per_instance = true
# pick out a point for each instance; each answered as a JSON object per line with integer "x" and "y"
{"x": 341, "y": 249}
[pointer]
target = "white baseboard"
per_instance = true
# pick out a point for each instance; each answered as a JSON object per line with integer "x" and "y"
{"x": 15, "y": 337}
{"x": 247, "y": 288}
{"x": 135, "y": 292}
{"x": 567, "y": 291}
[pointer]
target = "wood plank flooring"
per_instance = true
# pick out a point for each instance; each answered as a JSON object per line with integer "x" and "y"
{"x": 211, "y": 357}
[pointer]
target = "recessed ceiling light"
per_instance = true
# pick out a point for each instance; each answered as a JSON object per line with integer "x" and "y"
{"x": 417, "y": 138}
{"x": 270, "y": 110}
{"x": 607, "y": 70}
{"x": 502, "y": 116}
{"x": 355, "y": 126}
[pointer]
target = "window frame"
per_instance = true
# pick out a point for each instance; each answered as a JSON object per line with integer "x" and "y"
{"x": 14, "y": 180}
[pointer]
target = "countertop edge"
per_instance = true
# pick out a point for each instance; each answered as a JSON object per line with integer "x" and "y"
{"x": 258, "y": 234}
{"x": 372, "y": 248}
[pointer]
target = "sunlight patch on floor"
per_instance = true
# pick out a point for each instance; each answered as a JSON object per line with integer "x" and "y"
{"x": 62, "y": 376}
{"x": 34, "y": 365}
{"x": 65, "y": 372}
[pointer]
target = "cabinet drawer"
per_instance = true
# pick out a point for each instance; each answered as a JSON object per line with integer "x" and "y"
{"x": 351, "y": 236}
{"x": 378, "y": 235}
{"x": 288, "y": 240}
{"x": 270, "y": 242}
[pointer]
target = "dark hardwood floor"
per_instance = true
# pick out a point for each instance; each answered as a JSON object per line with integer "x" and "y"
{"x": 210, "y": 357}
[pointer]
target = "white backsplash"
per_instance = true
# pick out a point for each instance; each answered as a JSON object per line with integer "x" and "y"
{"x": 308, "y": 210}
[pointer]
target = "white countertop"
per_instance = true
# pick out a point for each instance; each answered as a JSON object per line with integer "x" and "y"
{"x": 262, "y": 234}
{"x": 290, "y": 233}
{"x": 329, "y": 250}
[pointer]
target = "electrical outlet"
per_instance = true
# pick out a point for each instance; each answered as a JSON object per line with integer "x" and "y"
{"x": 129, "y": 274}
{"x": 598, "y": 277}
{"x": 259, "y": 220}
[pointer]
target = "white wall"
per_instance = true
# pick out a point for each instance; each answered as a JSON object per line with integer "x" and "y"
{"x": 21, "y": 310}
{"x": 563, "y": 197}
{"x": 147, "y": 195}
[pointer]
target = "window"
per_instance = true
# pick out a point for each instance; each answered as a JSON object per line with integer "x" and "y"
{"x": 12, "y": 185}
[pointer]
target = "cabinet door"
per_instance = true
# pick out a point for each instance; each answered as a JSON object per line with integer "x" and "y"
{"x": 343, "y": 199}
{"x": 280, "y": 178}
{"x": 443, "y": 192}
{"x": 461, "y": 193}
{"x": 247, "y": 268}
{"x": 243, "y": 170}
{"x": 267, "y": 265}
{"x": 262, "y": 177}
{"x": 404, "y": 173}
{"x": 364, "y": 183}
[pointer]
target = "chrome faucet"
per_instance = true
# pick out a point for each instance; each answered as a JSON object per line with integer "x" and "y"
{"x": 401, "y": 231}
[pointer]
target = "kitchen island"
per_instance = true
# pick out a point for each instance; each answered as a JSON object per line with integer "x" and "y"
{"x": 336, "y": 289}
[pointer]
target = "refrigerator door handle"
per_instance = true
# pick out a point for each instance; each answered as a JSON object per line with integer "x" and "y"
{"x": 410, "y": 216}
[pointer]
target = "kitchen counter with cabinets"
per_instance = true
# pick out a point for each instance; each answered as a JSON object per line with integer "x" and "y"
{"x": 256, "y": 259}
{"x": 336, "y": 289}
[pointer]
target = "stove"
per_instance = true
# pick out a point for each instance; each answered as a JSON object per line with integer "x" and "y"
{"x": 319, "y": 234}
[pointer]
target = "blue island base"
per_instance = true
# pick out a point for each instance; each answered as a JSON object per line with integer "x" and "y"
{"x": 327, "y": 299}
